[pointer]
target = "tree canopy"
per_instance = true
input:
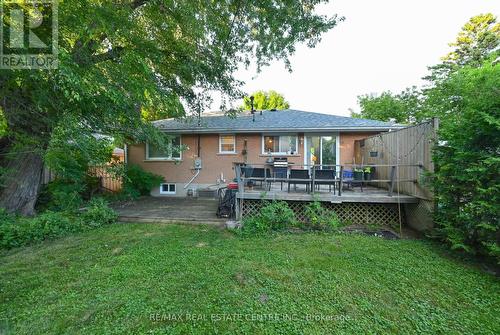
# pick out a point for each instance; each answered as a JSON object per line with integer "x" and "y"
{"x": 477, "y": 42}
{"x": 404, "y": 107}
{"x": 474, "y": 43}
{"x": 462, "y": 92}
{"x": 124, "y": 63}
{"x": 265, "y": 101}
{"x": 466, "y": 181}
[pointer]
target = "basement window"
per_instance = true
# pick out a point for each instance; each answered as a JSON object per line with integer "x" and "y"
{"x": 167, "y": 188}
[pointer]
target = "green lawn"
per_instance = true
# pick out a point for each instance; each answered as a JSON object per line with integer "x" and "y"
{"x": 139, "y": 278}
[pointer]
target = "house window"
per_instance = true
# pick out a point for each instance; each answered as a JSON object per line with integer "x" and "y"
{"x": 167, "y": 188}
{"x": 284, "y": 144}
{"x": 227, "y": 144}
{"x": 171, "y": 152}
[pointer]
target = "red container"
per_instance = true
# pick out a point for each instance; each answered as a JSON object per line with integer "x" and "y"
{"x": 232, "y": 186}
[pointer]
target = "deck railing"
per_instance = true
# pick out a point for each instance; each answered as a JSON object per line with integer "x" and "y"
{"x": 267, "y": 178}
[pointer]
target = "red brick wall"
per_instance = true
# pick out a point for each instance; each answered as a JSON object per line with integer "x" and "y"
{"x": 213, "y": 163}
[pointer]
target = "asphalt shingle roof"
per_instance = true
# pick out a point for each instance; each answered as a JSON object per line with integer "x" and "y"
{"x": 277, "y": 121}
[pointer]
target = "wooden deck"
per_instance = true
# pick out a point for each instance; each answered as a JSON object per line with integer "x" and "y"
{"x": 369, "y": 194}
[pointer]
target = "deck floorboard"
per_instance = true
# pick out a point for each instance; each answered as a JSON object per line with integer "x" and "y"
{"x": 370, "y": 194}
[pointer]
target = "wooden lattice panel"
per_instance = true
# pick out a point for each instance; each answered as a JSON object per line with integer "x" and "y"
{"x": 349, "y": 213}
{"x": 420, "y": 216}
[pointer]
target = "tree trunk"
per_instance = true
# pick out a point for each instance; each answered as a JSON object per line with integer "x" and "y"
{"x": 23, "y": 177}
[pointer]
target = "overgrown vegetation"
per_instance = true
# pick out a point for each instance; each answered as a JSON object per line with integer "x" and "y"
{"x": 321, "y": 218}
{"x": 114, "y": 279}
{"x": 463, "y": 93}
{"x": 17, "y": 231}
{"x": 467, "y": 178}
{"x": 278, "y": 216}
{"x": 137, "y": 182}
{"x": 273, "y": 216}
{"x": 71, "y": 163}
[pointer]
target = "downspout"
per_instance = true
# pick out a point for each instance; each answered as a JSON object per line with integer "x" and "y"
{"x": 192, "y": 179}
{"x": 197, "y": 164}
{"x": 199, "y": 147}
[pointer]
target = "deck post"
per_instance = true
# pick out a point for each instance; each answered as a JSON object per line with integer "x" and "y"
{"x": 241, "y": 187}
{"x": 393, "y": 175}
{"x": 237, "y": 210}
{"x": 237, "y": 170}
{"x": 341, "y": 179}
{"x": 313, "y": 178}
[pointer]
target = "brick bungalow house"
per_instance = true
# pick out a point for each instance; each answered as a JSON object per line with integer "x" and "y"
{"x": 212, "y": 144}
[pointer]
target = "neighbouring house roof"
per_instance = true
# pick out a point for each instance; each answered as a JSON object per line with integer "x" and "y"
{"x": 288, "y": 120}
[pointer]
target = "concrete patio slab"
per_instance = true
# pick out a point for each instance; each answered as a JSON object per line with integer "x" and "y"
{"x": 169, "y": 210}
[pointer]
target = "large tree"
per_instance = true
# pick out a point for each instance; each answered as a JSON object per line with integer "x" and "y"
{"x": 265, "y": 101}
{"x": 404, "y": 107}
{"x": 466, "y": 180}
{"x": 120, "y": 62}
{"x": 478, "y": 40}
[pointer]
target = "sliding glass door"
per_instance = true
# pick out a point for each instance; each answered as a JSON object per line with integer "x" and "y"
{"x": 321, "y": 150}
{"x": 328, "y": 150}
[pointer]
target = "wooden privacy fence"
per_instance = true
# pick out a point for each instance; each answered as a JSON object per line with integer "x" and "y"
{"x": 411, "y": 146}
{"x": 108, "y": 182}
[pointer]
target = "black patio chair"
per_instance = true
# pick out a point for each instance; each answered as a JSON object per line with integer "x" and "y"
{"x": 257, "y": 174}
{"x": 299, "y": 177}
{"x": 325, "y": 177}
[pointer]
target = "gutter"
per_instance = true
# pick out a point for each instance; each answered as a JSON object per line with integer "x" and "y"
{"x": 274, "y": 130}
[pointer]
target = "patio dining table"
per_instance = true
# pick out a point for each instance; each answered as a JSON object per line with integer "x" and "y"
{"x": 277, "y": 174}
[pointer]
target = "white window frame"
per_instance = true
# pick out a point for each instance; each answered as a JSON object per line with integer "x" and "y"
{"x": 220, "y": 144}
{"x": 279, "y": 144}
{"x": 168, "y": 192}
{"x": 337, "y": 146}
{"x": 171, "y": 158}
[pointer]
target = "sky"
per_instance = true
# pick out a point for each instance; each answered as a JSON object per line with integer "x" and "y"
{"x": 381, "y": 45}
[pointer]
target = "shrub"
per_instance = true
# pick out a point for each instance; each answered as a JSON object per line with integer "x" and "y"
{"x": 273, "y": 216}
{"x": 98, "y": 213}
{"x": 7, "y": 225}
{"x": 138, "y": 182}
{"x": 320, "y": 218}
{"x": 466, "y": 179}
{"x": 18, "y": 231}
{"x": 67, "y": 195}
{"x": 49, "y": 225}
